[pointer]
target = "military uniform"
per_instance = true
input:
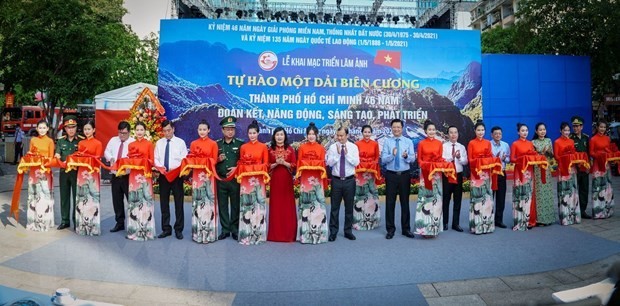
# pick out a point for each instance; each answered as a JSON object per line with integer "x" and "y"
{"x": 228, "y": 192}
{"x": 583, "y": 182}
{"x": 68, "y": 180}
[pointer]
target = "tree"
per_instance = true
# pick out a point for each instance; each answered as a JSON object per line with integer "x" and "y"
{"x": 71, "y": 49}
{"x": 566, "y": 27}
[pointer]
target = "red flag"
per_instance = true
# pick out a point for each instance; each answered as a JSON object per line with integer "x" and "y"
{"x": 388, "y": 58}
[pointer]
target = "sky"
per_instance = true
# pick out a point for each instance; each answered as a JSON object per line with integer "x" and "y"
{"x": 144, "y": 15}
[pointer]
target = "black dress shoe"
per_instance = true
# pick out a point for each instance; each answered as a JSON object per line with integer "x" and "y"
{"x": 62, "y": 226}
{"x": 116, "y": 228}
{"x": 500, "y": 224}
{"x": 332, "y": 237}
{"x": 445, "y": 227}
{"x": 164, "y": 234}
{"x": 408, "y": 234}
{"x": 179, "y": 235}
{"x": 235, "y": 236}
{"x": 349, "y": 236}
{"x": 223, "y": 236}
{"x": 585, "y": 216}
{"x": 389, "y": 235}
{"x": 457, "y": 228}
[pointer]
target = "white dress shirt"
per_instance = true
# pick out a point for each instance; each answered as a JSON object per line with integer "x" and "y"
{"x": 177, "y": 152}
{"x": 447, "y": 155}
{"x": 351, "y": 158}
{"x": 111, "y": 150}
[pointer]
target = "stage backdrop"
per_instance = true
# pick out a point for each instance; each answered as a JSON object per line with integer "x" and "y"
{"x": 535, "y": 88}
{"x": 288, "y": 74}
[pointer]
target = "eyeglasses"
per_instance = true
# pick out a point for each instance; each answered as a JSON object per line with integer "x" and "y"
{"x": 123, "y": 133}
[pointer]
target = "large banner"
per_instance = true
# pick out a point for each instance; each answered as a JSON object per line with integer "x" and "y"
{"x": 290, "y": 74}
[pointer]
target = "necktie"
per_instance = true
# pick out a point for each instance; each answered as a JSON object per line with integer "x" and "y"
{"x": 342, "y": 173}
{"x": 397, "y": 160}
{"x": 453, "y": 155}
{"x": 119, "y": 155}
{"x": 167, "y": 155}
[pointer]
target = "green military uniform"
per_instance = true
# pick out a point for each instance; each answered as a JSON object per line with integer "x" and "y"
{"x": 228, "y": 192}
{"x": 68, "y": 180}
{"x": 582, "y": 144}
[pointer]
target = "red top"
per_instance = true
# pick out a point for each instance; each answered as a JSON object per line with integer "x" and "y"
{"x": 430, "y": 150}
{"x": 521, "y": 147}
{"x": 478, "y": 148}
{"x": 91, "y": 146}
{"x": 142, "y": 147}
{"x": 563, "y": 146}
{"x": 369, "y": 150}
{"x": 310, "y": 151}
{"x": 599, "y": 146}
{"x": 253, "y": 152}
{"x": 206, "y": 147}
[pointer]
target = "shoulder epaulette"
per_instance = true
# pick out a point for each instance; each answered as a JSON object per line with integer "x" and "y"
{"x": 81, "y": 137}
{"x": 61, "y": 137}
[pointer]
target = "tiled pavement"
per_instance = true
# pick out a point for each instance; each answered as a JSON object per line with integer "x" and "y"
{"x": 531, "y": 289}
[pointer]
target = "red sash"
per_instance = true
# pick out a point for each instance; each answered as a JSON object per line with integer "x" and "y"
{"x": 437, "y": 166}
{"x": 249, "y": 167}
{"x": 568, "y": 160}
{"x": 526, "y": 161}
{"x": 369, "y": 165}
{"x": 491, "y": 164}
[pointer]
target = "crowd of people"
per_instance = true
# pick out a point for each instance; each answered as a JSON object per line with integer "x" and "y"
{"x": 230, "y": 180}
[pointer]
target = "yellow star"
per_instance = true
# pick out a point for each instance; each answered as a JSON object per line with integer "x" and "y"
{"x": 388, "y": 59}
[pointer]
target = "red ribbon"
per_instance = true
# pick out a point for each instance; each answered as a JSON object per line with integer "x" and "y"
{"x": 437, "y": 165}
{"x": 491, "y": 164}
{"x": 529, "y": 160}
{"x": 571, "y": 158}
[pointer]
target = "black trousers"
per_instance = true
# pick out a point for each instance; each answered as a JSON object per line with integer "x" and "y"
{"x": 583, "y": 186}
{"x": 500, "y": 198}
{"x": 18, "y": 151}
{"x": 450, "y": 189}
{"x": 68, "y": 186}
{"x": 397, "y": 184}
{"x": 228, "y": 192}
{"x": 342, "y": 189}
{"x": 165, "y": 188}
{"x": 120, "y": 190}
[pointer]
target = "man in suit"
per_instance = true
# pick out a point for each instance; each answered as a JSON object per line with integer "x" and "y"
{"x": 396, "y": 155}
{"x": 117, "y": 148}
{"x": 455, "y": 153}
{"x": 169, "y": 153}
{"x": 343, "y": 156}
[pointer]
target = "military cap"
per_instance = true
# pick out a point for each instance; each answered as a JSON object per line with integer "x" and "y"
{"x": 70, "y": 121}
{"x": 576, "y": 120}
{"x": 228, "y": 121}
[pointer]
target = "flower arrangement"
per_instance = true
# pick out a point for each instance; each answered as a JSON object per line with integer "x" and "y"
{"x": 147, "y": 113}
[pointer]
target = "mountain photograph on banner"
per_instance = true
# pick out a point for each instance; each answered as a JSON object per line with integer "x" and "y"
{"x": 209, "y": 69}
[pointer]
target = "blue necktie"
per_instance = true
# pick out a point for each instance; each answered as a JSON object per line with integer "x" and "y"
{"x": 342, "y": 172}
{"x": 167, "y": 154}
{"x": 397, "y": 160}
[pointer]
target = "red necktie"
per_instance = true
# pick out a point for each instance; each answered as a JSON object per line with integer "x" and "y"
{"x": 120, "y": 151}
